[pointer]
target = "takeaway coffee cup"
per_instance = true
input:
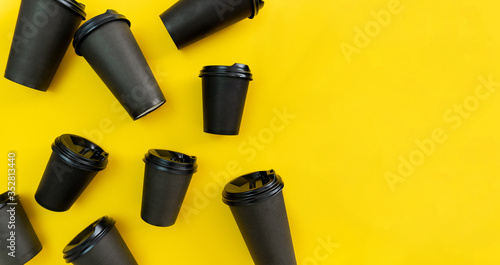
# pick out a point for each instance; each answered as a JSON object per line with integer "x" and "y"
{"x": 256, "y": 201}
{"x": 73, "y": 164}
{"x": 19, "y": 240}
{"x": 99, "y": 244}
{"x": 166, "y": 179}
{"x": 42, "y": 36}
{"x": 108, "y": 45}
{"x": 189, "y": 21}
{"x": 224, "y": 94}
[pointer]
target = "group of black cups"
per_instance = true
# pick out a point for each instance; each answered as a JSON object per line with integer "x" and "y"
{"x": 43, "y": 33}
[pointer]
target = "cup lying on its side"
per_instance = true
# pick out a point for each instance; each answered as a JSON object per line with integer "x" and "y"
{"x": 108, "y": 45}
{"x": 256, "y": 201}
{"x": 74, "y": 163}
{"x": 189, "y": 21}
{"x": 224, "y": 95}
{"x": 166, "y": 179}
{"x": 43, "y": 33}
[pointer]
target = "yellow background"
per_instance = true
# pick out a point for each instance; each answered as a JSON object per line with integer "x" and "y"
{"x": 355, "y": 116}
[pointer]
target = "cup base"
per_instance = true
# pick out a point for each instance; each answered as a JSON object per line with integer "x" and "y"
{"x": 164, "y": 20}
{"x": 150, "y": 110}
{"x": 219, "y": 132}
{"x": 33, "y": 253}
{"x": 25, "y": 83}
{"x": 156, "y": 224}
{"x": 48, "y": 207}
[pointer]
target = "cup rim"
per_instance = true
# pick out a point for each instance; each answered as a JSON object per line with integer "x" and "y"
{"x": 88, "y": 238}
{"x": 236, "y": 70}
{"x": 75, "y": 6}
{"x": 94, "y": 23}
{"x": 239, "y": 191}
{"x": 171, "y": 161}
{"x": 67, "y": 152}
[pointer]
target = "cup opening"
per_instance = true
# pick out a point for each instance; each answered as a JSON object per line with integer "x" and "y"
{"x": 254, "y": 180}
{"x": 175, "y": 156}
{"x": 85, "y": 148}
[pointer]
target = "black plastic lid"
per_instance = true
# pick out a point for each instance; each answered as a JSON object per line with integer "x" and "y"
{"x": 80, "y": 152}
{"x": 257, "y": 5}
{"x": 78, "y": 8}
{"x": 235, "y": 70}
{"x": 5, "y": 199}
{"x": 252, "y": 188}
{"x": 94, "y": 23}
{"x": 171, "y": 161}
{"x": 88, "y": 238}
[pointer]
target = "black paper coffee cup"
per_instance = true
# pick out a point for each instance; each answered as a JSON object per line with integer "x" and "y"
{"x": 108, "y": 45}
{"x": 74, "y": 163}
{"x": 166, "y": 179}
{"x": 99, "y": 244}
{"x": 42, "y": 36}
{"x": 256, "y": 201}
{"x": 19, "y": 241}
{"x": 224, "y": 94}
{"x": 189, "y": 21}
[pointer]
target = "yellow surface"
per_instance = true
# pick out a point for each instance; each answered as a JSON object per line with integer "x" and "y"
{"x": 360, "y": 108}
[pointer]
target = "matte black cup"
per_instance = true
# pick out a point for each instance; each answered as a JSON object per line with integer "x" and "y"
{"x": 74, "y": 163}
{"x": 43, "y": 33}
{"x": 99, "y": 244}
{"x": 256, "y": 201}
{"x": 166, "y": 179}
{"x": 189, "y": 21}
{"x": 19, "y": 241}
{"x": 108, "y": 45}
{"x": 224, "y": 94}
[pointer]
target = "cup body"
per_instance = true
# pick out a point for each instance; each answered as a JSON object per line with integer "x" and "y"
{"x": 108, "y": 45}
{"x": 189, "y": 21}
{"x": 257, "y": 204}
{"x": 166, "y": 180}
{"x": 99, "y": 244}
{"x": 43, "y": 33}
{"x": 73, "y": 164}
{"x": 224, "y": 94}
{"x": 16, "y": 231}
